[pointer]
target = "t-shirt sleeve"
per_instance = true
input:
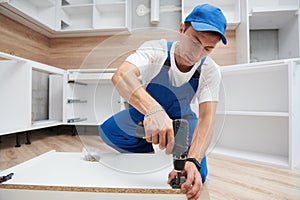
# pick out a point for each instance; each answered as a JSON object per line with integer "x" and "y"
{"x": 149, "y": 58}
{"x": 209, "y": 82}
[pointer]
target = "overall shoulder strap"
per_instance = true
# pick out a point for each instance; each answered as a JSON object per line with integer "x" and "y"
{"x": 198, "y": 71}
{"x": 167, "y": 61}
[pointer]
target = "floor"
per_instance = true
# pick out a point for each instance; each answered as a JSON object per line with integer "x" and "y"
{"x": 228, "y": 178}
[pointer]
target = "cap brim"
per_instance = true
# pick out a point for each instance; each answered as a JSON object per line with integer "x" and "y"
{"x": 201, "y": 27}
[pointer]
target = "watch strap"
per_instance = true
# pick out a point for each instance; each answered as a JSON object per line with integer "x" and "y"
{"x": 195, "y": 161}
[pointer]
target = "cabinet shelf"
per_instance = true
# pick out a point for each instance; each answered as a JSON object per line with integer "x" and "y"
{"x": 44, "y": 124}
{"x": 78, "y": 17}
{"x": 263, "y": 158}
{"x": 76, "y": 2}
{"x": 90, "y": 75}
{"x": 251, "y": 113}
{"x": 43, "y": 4}
{"x": 271, "y": 17}
{"x": 109, "y": 15}
{"x": 72, "y": 8}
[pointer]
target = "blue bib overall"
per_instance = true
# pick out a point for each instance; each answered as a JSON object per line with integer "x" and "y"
{"x": 119, "y": 130}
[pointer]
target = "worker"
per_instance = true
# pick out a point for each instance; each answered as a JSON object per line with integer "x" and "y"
{"x": 160, "y": 80}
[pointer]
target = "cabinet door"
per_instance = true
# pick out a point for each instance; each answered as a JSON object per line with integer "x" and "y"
{"x": 15, "y": 101}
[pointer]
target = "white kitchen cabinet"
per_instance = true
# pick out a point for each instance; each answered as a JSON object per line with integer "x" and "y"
{"x": 63, "y": 18}
{"x": 83, "y": 97}
{"x": 76, "y": 17}
{"x": 93, "y": 94}
{"x": 269, "y": 30}
{"x": 279, "y": 16}
{"x": 42, "y": 13}
{"x": 110, "y": 14}
{"x": 16, "y": 99}
{"x": 93, "y": 15}
{"x": 261, "y": 115}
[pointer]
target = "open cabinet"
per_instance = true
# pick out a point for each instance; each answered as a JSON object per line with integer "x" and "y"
{"x": 90, "y": 96}
{"x": 20, "y": 92}
{"x": 273, "y": 25}
{"x": 73, "y": 97}
{"x": 261, "y": 112}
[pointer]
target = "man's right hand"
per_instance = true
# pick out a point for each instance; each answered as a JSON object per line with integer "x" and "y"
{"x": 159, "y": 128}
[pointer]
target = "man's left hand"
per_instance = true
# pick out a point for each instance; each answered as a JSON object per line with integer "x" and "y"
{"x": 193, "y": 184}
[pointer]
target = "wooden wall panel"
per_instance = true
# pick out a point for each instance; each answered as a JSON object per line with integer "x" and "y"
{"x": 70, "y": 53}
{"x": 89, "y": 52}
{"x": 110, "y": 51}
{"x": 98, "y": 52}
{"x": 22, "y": 41}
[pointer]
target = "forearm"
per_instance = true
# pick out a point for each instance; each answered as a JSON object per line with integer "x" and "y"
{"x": 204, "y": 130}
{"x": 201, "y": 139}
{"x": 130, "y": 88}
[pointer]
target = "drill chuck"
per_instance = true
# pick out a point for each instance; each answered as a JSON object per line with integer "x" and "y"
{"x": 179, "y": 163}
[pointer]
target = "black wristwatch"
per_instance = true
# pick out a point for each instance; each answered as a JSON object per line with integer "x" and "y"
{"x": 195, "y": 161}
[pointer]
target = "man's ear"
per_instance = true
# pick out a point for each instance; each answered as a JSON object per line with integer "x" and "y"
{"x": 181, "y": 28}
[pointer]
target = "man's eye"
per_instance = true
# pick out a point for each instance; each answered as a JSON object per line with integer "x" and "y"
{"x": 208, "y": 49}
{"x": 195, "y": 43}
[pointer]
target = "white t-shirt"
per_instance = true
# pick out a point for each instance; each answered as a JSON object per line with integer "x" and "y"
{"x": 150, "y": 57}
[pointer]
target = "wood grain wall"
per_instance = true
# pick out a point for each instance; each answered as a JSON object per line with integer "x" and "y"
{"x": 21, "y": 41}
{"x": 89, "y": 52}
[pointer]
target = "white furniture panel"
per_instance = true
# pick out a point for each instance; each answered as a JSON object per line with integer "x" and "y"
{"x": 256, "y": 81}
{"x": 68, "y": 176}
{"x": 15, "y": 89}
{"x": 294, "y": 107}
{"x": 261, "y": 115}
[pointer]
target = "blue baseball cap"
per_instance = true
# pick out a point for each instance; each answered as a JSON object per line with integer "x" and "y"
{"x": 206, "y": 17}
